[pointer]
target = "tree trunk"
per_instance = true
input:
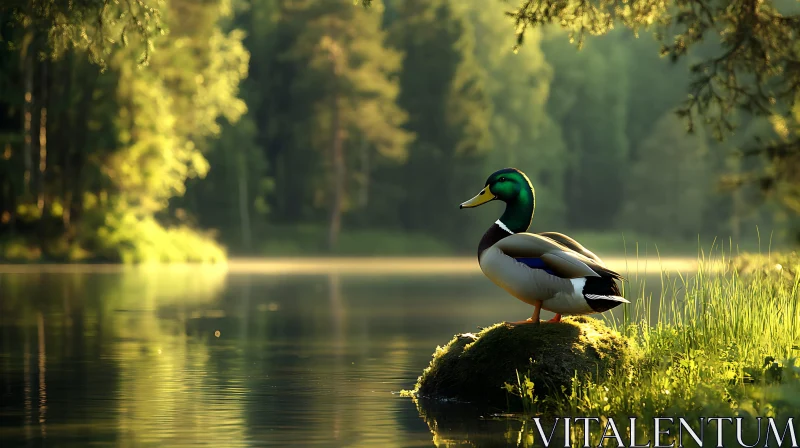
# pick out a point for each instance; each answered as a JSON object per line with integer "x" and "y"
{"x": 67, "y": 144}
{"x": 42, "y": 141}
{"x": 10, "y": 207}
{"x": 365, "y": 167}
{"x": 337, "y": 179}
{"x": 77, "y": 155}
{"x": 5, "y": 180}
{"x": 27, "y": 108}
{"x": 280, "y": 196}
{"x": 736, "y": 216}
{"x": 244, "y": 209}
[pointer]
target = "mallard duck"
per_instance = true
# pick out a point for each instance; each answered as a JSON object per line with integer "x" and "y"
{"x": 548, "y": 270}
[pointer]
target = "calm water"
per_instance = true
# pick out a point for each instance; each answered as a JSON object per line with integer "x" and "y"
{"x": 204, "y": 357}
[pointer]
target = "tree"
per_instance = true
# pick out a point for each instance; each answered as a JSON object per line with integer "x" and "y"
{"x": 349, "y": 76}
{"x": 442, "y": 88}
{"x": 523, "y": 134}
{"x": 232, "y": 197}
{"x": 125, "y": 133}
{"x": 671, "y": 200}
{"x": 655, "y": 86}
{"x": 97, "y": 27}
{"x": 168, "y": 108}
{"x": 754, "y": 68}
{"x": 589, "y": 100}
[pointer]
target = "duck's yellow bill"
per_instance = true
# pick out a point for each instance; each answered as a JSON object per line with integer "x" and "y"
{"x": 483, "y": 197}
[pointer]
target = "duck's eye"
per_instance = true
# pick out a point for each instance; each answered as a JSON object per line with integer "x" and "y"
{"x": 502, "y": 179}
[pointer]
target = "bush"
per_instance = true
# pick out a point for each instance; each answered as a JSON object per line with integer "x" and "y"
{"x": 127, "y": 238}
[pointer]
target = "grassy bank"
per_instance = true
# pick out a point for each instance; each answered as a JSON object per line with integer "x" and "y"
{"x": 725, "y": 345}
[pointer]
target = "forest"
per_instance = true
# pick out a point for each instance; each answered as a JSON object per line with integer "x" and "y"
{"x": 186, "y": 130}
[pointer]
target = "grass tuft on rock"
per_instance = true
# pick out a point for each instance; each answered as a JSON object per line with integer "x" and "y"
{"x": 475, "y": 368}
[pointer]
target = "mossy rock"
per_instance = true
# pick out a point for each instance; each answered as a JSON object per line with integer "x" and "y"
{"x": 473, "y": 368}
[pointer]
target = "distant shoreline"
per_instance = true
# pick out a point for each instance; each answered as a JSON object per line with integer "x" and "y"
{"x": 464, "y": 265}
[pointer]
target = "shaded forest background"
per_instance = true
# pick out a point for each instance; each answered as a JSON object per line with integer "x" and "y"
{"x": 275, "y": 127}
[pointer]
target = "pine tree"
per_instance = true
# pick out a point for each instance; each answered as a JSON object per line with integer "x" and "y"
{"x": 442, "y": 88}
{"x": 349, "y": 76}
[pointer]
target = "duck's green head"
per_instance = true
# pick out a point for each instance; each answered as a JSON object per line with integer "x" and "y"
{"x": 513, "y": 187}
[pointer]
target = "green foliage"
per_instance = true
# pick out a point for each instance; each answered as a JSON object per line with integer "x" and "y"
{"x": 752, "y": 69}
{"x": 127, "y": 238}
{"x": 122, "y": 141}
{"x": 782, "y": 160}
{"x": 242, "y": 116}
{"x": 593, "y": 93}
{"x": 525, "y": 390}
{"x": 232, "y": 198}
{"x": 172, "y": 104}
{"x": 326, "y": 106}
{"x": 677, "y": 193}
{"x": 522, "y": 132}
{"x": 747, "y": 70}
{"x": 442, "y": 88}
{"x": 656, "y": 87}
{"x": 96, "y": 26}
{"x": 349, "y": 74}
{"x": 342, "y": 48}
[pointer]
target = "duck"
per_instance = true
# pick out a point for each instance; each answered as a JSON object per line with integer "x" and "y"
{"x": 547, "y": 270}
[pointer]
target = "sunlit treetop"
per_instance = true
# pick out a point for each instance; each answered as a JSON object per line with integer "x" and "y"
{"x": 97, "y": 26}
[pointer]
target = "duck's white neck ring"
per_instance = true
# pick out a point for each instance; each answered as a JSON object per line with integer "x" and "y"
{"x": 503, "y": 226}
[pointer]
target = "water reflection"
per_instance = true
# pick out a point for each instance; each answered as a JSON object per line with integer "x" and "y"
{"x": 95, "y": 361}
{"x": 207, "y": 357}
{"x": 458, "y": 425}
{"x": 42, "y": 371}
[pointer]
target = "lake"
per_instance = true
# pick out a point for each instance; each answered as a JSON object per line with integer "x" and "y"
{"x": 256, "y": 353}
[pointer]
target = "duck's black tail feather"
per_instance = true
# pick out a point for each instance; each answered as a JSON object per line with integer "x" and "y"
{"x": 602, "y": 293}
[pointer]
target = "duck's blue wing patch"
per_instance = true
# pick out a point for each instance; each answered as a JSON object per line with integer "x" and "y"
{"x": 535, "y": 263}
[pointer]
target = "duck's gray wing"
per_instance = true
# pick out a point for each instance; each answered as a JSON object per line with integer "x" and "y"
{"x": 559, "y": 259}
{"x": 571, "y": 243}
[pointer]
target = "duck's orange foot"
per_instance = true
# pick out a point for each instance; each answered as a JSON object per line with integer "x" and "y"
{"x": 555, "y": 319}
{"x": 522, "y": 322}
